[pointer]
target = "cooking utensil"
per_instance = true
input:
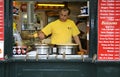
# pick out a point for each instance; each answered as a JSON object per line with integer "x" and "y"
{"x": 69, "y": 49}
{"x": 43, "y": 49}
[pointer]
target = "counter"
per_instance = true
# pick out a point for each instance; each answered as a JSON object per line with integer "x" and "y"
{"x": 58, "y": 68}
{"x": 2, "y": 66}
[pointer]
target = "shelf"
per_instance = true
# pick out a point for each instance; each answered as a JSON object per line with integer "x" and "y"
{"x": 83, "y": 16}
{"x": 15, "y": 15}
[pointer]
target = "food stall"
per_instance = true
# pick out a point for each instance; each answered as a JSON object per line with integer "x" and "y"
{"x": 31, "y": 58}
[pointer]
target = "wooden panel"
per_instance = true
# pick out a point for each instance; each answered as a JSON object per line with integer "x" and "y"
{"x": 1, "y": 70}
{"x": 55, "y": 69}
{"x": 108, "y": 70}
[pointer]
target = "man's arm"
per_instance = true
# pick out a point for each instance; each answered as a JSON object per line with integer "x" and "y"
{"x": 77, "y": 41}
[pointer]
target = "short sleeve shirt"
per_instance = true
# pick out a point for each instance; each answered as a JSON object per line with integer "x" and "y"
{"x": 62, "y": 32}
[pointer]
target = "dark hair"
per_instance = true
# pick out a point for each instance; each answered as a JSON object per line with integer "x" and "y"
{"x": 66, "y": 9}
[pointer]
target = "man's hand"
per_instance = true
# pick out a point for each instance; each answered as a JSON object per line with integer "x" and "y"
{"x": 83, "y": 50}
{"x": 41, "y": 35}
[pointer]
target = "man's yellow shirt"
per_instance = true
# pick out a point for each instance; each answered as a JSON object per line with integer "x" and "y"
{"x": 62, "y": 32}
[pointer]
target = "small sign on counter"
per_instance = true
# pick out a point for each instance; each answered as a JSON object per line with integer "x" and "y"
{"x": 1, "y": 29}
{"x": 1, "y": 50}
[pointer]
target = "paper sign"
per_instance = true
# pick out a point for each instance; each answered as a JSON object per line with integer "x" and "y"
{"x": 1, "y": 50}
{"x": 109, "y": 30}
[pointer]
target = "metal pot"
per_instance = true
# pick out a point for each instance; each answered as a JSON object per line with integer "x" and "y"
{"x": 43, "y": 49}
{"x": 69, "y": 49}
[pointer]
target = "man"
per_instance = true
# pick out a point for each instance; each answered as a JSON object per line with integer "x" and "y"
{"x": 62, "y": 30}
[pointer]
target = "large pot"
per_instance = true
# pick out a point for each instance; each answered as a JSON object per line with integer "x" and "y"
{"x": 43, "y": 49}
{"x": 68, "y": 49}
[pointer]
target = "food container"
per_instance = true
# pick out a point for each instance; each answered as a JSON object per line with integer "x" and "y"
{"x": 84, "y": 10}
{"x": 19, "y": 50}
{"x": 68, "y": 49}
{"x": 43, "y": 49}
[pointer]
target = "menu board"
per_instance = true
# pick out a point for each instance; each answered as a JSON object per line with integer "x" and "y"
{"x": 109, "y": 30}
{"x": 1, "y": 29}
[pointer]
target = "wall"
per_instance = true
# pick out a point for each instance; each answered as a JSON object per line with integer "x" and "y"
{"x": 2, "y": 66}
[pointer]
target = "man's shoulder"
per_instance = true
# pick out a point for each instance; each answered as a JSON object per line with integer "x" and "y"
{"x": 55, "y": 21}
{"x": 70, "y": 20}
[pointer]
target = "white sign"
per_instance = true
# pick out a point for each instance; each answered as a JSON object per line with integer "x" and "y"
{"x": 1, "y": 49}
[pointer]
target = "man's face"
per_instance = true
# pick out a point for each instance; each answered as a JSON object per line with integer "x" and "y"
{"x": 63, "y": 15}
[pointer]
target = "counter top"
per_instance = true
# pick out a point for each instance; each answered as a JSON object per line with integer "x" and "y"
{"x": 54, "y": 58}
{"x": 51, "y": 58}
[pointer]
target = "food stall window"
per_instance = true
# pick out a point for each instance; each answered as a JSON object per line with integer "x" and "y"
{"x": 29, "y": 18}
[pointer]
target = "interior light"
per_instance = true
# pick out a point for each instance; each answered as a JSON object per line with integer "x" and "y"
{"x": 62, "y": 5}
{"x": 25, "y": 16}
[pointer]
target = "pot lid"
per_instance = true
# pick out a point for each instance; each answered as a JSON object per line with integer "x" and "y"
{"x": 39, "y": 44}
{"x": 72, "y": 44}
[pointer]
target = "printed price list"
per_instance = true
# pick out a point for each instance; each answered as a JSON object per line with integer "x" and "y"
{"x": 1, "y": 20}
{"x": 109, "y": 30}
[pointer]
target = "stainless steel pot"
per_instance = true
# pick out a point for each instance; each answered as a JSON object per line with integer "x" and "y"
{"x": 43, "y": 49}
{"x": 69, "y": 49}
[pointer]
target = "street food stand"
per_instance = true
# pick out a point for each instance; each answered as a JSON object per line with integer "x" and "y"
{"x": 104, "y": 47}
